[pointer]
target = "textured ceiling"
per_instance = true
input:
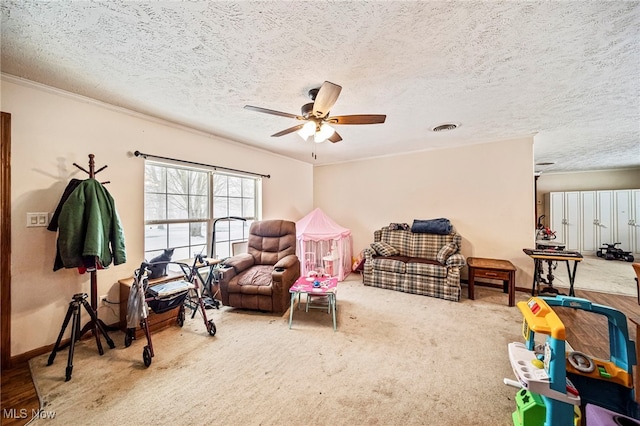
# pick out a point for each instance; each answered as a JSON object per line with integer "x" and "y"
{"x": 567, "y": 72}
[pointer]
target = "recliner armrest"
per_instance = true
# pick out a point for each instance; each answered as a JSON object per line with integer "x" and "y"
{"x": 286, "y": 269}
{"x": 240, "y": 262}
{"x": 287, "y": 262}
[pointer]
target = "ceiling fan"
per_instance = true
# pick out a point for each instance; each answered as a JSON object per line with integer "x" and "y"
{"x": 316, "y": 115}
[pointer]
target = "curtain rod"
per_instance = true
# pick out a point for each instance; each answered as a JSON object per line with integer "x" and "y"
{"x": 141, "y": 154}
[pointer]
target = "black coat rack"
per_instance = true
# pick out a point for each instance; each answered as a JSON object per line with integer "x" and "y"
{"x": 95, "y": 325}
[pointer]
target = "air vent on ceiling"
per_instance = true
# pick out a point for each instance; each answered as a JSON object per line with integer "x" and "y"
{"x": 445, "y": 127}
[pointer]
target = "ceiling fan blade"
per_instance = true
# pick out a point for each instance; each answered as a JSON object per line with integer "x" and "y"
{"x": 273, "y": 112}
{"x": 335, "y": 137}
{"x": 287, "y": 131}
{"x": 326, "y": 97}
{"x": 357, "y": 119}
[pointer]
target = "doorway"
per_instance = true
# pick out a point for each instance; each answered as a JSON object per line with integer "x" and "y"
{"x": 5, "y": 241}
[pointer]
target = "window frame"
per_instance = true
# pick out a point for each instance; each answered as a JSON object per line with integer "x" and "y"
{"x": 211, "y": 217}
{"x": 230, "y": 216}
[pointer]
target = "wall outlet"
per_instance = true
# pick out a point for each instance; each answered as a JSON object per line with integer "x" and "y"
{"x": 103, "y": 299}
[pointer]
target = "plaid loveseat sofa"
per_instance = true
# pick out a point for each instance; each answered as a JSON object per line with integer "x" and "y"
{"x": 419, "y": 263}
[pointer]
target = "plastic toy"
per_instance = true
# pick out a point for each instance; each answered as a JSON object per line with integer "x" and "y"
{"x": 531, "y": 409}
{"x": 549, "y": 384}
{"x": 570, "y": 378}
{"x": 605, "y": 383}
{"x": 599, "y": 416}
{"x": 611, "y": 252}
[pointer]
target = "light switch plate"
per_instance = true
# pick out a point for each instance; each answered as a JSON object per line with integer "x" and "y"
{"x": 37, "y": 219}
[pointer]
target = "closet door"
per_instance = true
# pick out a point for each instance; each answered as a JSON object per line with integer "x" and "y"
{"x": 556, "y": 215}
{"x": 635, "y": 222}
{"x": 572, "y": 224}
{"x": 604, "y": 233}
{"x": 623, "y": 219}
{"x": 589, "y": 220}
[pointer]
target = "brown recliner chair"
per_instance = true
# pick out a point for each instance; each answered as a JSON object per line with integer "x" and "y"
{"x": 260, "y": 279}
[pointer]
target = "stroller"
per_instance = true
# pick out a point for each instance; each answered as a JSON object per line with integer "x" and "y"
{"x": 162, "y": 298}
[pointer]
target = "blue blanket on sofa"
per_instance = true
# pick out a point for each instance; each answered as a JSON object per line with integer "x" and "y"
{"x": 439, "y": 226}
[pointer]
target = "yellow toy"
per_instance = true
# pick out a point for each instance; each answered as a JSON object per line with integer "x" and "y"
{"x": 546, "y": 378}
{"x": 562, "y": 381}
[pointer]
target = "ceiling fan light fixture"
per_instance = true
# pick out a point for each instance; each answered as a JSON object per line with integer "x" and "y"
{"x": 316, "y": 116}
{"x": 324, "y": 132}
{"x": 307, "y": 130}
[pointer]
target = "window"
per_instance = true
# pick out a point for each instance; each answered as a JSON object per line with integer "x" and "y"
{"x": 180, "y": 210}
{"x": 234, "y": 197}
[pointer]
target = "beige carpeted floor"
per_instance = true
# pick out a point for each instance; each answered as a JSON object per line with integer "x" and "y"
{"x": 396, "y": 359}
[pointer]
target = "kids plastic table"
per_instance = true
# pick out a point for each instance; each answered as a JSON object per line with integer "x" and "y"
{"x": 314, "y": 288}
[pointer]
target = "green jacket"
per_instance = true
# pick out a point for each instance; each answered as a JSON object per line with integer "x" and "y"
{"x": 89, "y": 226}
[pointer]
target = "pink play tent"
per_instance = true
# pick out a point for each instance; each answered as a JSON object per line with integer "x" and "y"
{"x": 322, "y": 243}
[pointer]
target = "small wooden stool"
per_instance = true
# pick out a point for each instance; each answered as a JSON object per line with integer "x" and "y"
{"x": 495, "y": 269}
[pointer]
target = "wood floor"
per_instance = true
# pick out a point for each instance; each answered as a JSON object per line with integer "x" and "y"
{"x": 586, "y": 332}
{"x": 19, "y": 398}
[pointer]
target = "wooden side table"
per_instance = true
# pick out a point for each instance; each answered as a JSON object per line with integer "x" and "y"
{"x": 495, "y": 269}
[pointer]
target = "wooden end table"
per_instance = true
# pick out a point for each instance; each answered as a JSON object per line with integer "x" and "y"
{"x": 495, "y": 269}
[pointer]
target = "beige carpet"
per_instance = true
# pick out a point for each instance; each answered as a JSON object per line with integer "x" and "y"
{"x": 396, "y": 359}
{"x": 597, "y": 274}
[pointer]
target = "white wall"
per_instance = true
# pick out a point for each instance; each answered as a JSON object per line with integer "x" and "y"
{"x": 485, "y": 190}
{"x": 585, "y": 181}
{"x": 51, "y": 130}
{"x": 589, "y": 181}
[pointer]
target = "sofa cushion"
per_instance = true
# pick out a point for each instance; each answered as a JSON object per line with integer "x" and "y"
{"x": 428, "y": 245}
{"x": 384, "y": 249}
{"x": 400, "y": 239}
{"x": 255, "y": 280}
{"x": 446, "y": 251}
{"x": 429, "y": 268}
{"x": 394, "y": 264}
{"x": 423, "y": 260}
